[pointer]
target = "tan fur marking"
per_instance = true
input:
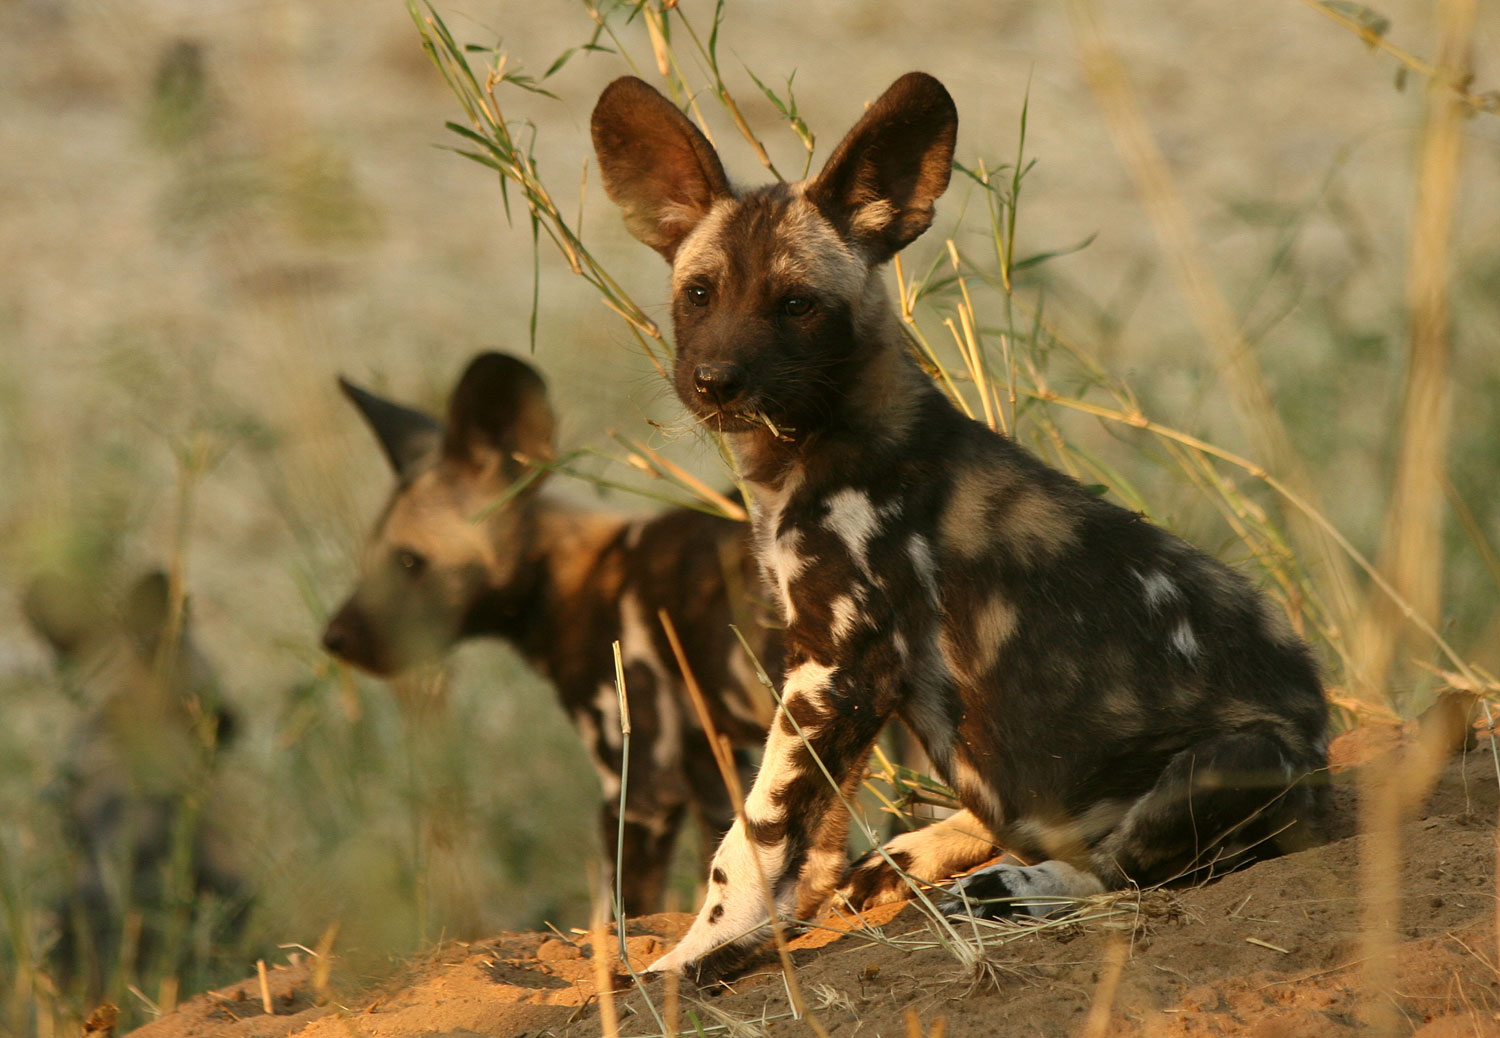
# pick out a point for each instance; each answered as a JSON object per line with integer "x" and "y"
{"x": 811, "y": 254}
{"x": 994, "y": 623}
{"x": 1036, "y": 527}
{"x": 972, "y": 787}
{"x": 434, "y": 516}
{"x": 1041, "y": 525}
{"x": 965, "y": 524}
{"x": 873, "y": 217}
{"x": 571, "y": 541}
{"x": 701, "y": 254}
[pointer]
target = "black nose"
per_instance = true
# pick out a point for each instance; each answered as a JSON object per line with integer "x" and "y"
{"x": 721, "y": 383}
{"x": 336, "y": 639}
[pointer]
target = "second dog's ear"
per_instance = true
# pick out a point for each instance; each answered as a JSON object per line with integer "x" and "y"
{"x": 499, "y": 407}
{"x": 406, "y": 436}
{"x": 147, "y": 607}
{"x": 656, "y": 165}
{"x": 880, "y": 183}
{"x": 63, "y": 611}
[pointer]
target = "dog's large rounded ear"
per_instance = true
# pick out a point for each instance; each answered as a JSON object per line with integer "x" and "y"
{"x": 406, "y": 436}
{"x": 656, "y": 165}
{"x": 879, "y": 185}
{"x": 498, "y": 410}
{"x": 146, "y": 611}
{"x": 65, "y": 612}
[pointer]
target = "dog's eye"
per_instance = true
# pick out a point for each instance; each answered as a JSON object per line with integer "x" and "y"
{"x": 411, "y": 562}
{"x": 796, "y": 306}
{"x": 697, "y": 295}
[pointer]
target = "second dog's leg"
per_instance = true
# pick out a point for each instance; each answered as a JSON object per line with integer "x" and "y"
{"x": 650, "y": 835}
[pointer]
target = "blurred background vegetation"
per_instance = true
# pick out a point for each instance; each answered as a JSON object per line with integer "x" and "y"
{"x": 213, "y": 208}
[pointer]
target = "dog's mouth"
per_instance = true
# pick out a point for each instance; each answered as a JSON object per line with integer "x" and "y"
{"x": 744, "y": 419}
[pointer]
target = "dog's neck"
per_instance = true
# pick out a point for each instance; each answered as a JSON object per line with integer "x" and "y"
{"x": 875, "y": 415}
{"x": 564, "y": 542}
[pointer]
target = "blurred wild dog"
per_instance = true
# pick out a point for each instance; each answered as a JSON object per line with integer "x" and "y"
{"x": 152, "y": 848}
{"x": 1109, "y": 703}
{"x": 471, "y": 544}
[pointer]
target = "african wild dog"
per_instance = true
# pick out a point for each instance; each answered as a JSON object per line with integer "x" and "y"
{"x": 152, "y": 842}
{"x": 1107, "y": 701}
{"x": 561, "y": 583}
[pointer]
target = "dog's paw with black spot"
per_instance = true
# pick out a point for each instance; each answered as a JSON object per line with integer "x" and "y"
{"x": 1008, "y": 891}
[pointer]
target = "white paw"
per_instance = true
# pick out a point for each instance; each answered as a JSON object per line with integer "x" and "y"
{"x": 1005, "y": 891}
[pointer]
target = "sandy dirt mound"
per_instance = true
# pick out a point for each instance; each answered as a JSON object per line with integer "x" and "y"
{"x": 1274, "y": 951}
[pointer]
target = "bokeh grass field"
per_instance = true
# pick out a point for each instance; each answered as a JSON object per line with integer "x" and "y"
{"x": 210, "y": 210}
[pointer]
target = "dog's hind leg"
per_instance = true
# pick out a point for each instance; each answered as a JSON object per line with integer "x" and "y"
{"x": 927, "y": 856}
{"x": 1217, "y": 805}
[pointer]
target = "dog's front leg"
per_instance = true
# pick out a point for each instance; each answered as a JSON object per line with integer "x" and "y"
{"x": 780, "y": 843}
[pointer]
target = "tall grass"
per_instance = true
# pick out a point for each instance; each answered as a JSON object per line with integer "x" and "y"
{"x": 354, "y": 795}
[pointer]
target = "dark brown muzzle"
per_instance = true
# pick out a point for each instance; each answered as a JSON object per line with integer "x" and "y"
{"x": 349, "y": 637}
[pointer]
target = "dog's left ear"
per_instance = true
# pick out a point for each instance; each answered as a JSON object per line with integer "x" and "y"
{"x": 656, "y": 165}
{"x": 499, "y": 409}
{"x": 880, "y": 184}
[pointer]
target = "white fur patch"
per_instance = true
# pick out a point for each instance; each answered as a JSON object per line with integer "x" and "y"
{"x": 873, "y": 217}
{"x": 1159, "y": 589}
{"x": 925, "y": 565}
{"x": 637, "y": 646}
{"x": 1183, "y": 639}
{"x": 853, "y": 519}
{"x": 734, "y": 912}
{"x": 785, "y": 565}
{"x": 607, "y": 702}
{"x": 935, "y": 853}
{"x": 994, "y": 623}
{"x": 589, "y": 732}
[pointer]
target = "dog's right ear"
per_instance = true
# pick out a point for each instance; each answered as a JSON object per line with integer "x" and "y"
{"x": 406, "y": 436}
{"x": 880, "y": 183}
{"x": 499, "y": 409}
{"x": 655, "y": 164}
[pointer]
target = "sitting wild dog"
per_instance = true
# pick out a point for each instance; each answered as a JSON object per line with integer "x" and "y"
{"x": 152, "y": 845}
{"x": 470, "y": 544}
{"x": 1109, "y": 703}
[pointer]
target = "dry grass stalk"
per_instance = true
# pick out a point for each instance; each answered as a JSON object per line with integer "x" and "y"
{"x": 323, "y": 963}
{"x": 1458, "y": 89}
{"x": 1112, "y": 966}
{"x": 604, "y": 978}
{"x": 1211, "y": 313}
{"x": 265, "y": 987}
{"x": 1411, "y": 550}
{"x": 1389, "y": 797}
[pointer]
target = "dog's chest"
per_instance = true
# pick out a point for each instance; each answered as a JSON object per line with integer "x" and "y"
{"x": 847, "y": 567}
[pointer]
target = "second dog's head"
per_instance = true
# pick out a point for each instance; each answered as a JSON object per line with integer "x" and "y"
{"x": 451, "y": 553}
{"x": 777, "y": 303}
